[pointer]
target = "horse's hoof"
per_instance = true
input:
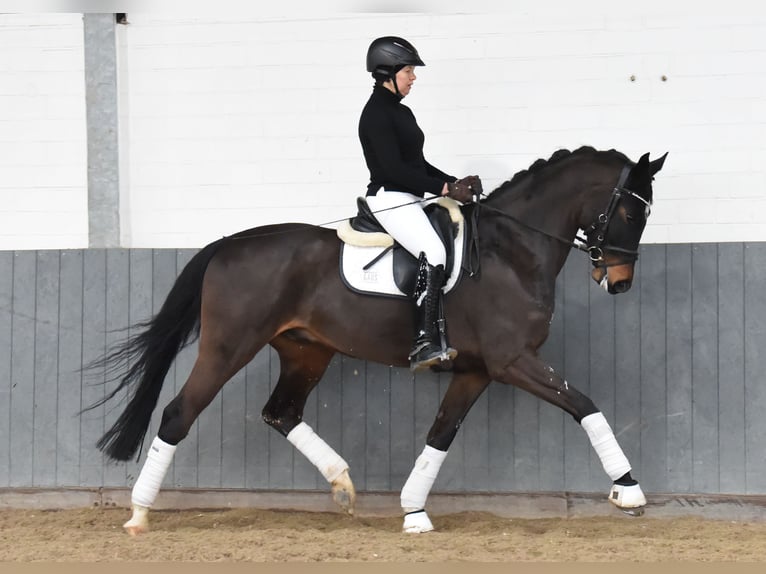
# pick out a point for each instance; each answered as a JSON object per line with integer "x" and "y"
{"x": 633, "y": 511}
{"x": 139, "y": 522}
{"x": 344, "y": 493}
{"x": 629, "y": 499}
{"x": 134, "y": 530}
{"x": 417, "y": 523}
{"x": 344, "y": 499}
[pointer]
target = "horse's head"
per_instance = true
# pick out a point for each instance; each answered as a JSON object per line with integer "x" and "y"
{"x": 613, "y": 239}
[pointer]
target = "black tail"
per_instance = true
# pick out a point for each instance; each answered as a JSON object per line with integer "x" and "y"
{"x": 150, "y": 354}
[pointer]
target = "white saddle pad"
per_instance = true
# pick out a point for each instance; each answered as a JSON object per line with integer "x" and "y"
{"x": 379, "y": 278}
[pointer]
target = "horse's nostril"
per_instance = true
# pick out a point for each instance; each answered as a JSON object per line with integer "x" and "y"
{"x": 621, "y": 286}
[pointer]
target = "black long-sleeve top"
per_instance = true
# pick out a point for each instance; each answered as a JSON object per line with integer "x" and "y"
{"x": 392, "y": 143}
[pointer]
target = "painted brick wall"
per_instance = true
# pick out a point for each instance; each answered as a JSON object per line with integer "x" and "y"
{"x": 233, "y": 121}
{"x": 43, "y": 159}
{"x": 237, "y": 122}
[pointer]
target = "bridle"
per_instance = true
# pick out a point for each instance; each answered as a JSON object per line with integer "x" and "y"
{"x": 596, "y": 239}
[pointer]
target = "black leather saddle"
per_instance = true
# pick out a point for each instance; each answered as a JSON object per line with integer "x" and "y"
{"x": 405, "y": 264}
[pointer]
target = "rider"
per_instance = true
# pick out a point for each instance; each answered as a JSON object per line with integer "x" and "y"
{"x": 400, "y": 177}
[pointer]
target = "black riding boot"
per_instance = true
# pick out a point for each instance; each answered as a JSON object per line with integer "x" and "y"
{"x": 430, "y": 346}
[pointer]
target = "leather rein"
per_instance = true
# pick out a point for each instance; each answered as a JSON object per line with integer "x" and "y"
{"x": 596, "y": 239}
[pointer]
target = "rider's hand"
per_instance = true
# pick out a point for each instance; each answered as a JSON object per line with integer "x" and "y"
{"x": 464, "y": 189}
{"x": 473, "y": 182}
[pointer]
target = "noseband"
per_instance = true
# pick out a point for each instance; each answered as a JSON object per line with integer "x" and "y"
{"x": 596, "y": 239}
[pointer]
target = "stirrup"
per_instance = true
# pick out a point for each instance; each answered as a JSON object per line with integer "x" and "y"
{"x": 428, "y": 354}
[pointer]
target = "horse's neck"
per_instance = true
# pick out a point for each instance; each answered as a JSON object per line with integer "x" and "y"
{"x": 551, "y": 212}
{"x": 547, "y": 212}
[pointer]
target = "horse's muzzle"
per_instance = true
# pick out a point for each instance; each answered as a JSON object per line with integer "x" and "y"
{"x": 600, "y": 276}
{"x": 619, "y": 287}
{"x": 613, "y": 278}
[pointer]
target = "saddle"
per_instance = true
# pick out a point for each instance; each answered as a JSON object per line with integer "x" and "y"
{"x": 365, "y": 231}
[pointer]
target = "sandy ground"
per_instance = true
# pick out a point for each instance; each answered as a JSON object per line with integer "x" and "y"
{"x": 91, "y": 535}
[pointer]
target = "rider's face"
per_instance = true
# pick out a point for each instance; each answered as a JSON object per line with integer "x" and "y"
{"x": 404, "y": 79}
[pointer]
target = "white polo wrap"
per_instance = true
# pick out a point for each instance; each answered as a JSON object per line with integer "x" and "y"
{"x": 153, "y": 472}
{"x": 321, "y": 455}
{"x": 421, "y": 479}
{"x": 603, "y": 441}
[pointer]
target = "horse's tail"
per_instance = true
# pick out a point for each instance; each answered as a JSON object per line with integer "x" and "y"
{"x": 149, "y": 355}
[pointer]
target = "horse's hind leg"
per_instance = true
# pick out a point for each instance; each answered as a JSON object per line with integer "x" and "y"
{"x": 302, "y": 364}
{"x": 217, "y": 363}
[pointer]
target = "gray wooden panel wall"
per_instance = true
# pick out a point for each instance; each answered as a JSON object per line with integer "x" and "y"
{"x": 676, "y": 365}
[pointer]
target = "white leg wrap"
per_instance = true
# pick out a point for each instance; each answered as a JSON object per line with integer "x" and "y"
{"x": 603, "y": 441}
{"x": 321, "y": 455}
{"x": 153, "y": 472}
{"x": 421, "y": 479}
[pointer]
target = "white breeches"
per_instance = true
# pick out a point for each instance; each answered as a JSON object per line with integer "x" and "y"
{"x": 401, "y": 215}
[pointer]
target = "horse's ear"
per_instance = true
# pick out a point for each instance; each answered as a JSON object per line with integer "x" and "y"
{"x": 657, "y": 164}
{"x": 640, "y": 170}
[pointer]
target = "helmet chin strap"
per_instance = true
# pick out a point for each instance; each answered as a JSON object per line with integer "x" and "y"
{"x": 392, "y": 78}
{"x": 396, "y": 85}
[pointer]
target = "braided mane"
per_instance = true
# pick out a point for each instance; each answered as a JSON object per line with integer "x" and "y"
{"x": 540, "y": 164}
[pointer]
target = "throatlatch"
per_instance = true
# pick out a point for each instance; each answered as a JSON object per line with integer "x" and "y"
{"x": 430, "y": 346}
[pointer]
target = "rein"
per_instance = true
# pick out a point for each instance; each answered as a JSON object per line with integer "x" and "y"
{"x": 595, "y": 249}
{"x": 580, "y": 246}
{"x": 600, "y": 227}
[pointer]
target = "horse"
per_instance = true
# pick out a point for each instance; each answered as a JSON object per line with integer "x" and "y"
{"x": 280, "y": 285}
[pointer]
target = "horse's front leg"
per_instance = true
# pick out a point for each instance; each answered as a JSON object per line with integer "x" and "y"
{"x": 462, "y": 393}
{"x": 302, "y": 365}
{"x": 530, "y": 373}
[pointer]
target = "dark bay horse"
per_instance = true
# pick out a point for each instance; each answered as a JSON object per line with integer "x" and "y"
{"x": 279, "y": 285}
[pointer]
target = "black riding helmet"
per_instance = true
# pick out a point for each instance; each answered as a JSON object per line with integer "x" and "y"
{"x": 389, "y": 54}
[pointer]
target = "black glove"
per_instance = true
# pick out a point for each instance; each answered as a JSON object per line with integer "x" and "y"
{"x": 473, "y": 182}
{"x": 464, "y": 189}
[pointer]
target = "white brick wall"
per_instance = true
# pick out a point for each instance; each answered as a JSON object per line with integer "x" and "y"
{"x": 234, "y": 121}
{"x": 43, "y": 152}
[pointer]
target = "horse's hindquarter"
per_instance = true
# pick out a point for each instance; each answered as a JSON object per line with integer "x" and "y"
{"x": 285, "y": 278}
{"x": 262, "y": 277}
